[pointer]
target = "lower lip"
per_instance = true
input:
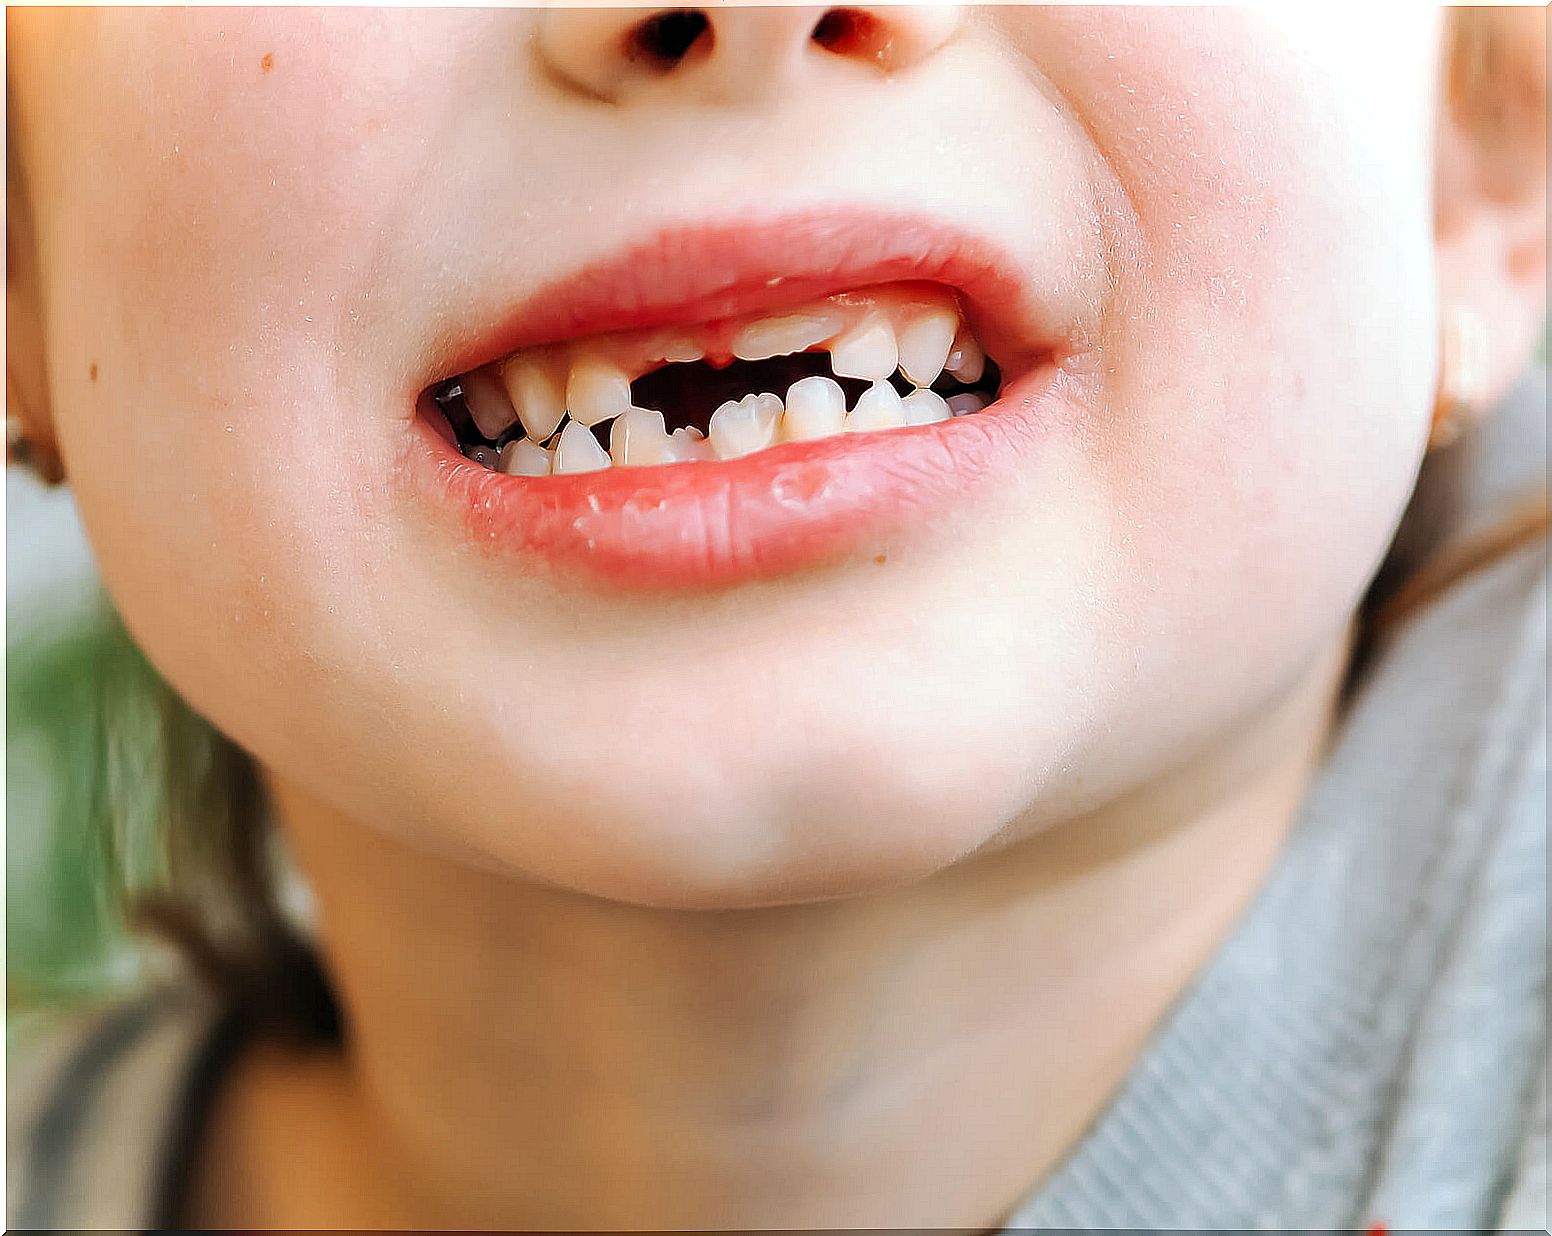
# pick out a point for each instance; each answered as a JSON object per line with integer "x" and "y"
{"x": 708, "y": 525}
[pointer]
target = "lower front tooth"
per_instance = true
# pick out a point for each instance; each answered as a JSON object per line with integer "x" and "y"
{"x": 525, "y": 458}
{"x": 578, "y": 450}
{"x": 690, "y": 444}
{"x": 816, "y": 407}
{"x": 924, "y": 407}
{"x": 639, "y": 437}
{"x": 741, "y": 427}
{"x": 596, "y": 390}
{"x": 878, "y": 407}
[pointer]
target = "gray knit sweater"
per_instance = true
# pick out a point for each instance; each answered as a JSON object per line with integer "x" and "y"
{"x": 1369, "y": 1046}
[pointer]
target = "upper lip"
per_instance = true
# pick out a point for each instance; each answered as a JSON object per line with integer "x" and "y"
{"x": 698, "y": 273}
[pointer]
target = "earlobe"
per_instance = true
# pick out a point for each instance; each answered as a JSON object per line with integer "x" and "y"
{"x": 29, "y": 429}
{"x": 1490, "y": 186}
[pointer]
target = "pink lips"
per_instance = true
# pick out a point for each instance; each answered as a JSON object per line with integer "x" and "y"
{"x": 802, "y": 505}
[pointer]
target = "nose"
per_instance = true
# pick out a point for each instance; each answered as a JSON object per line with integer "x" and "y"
{"x": 731, "y": 54}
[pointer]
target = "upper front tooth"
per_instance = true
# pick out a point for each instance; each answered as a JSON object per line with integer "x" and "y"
{"x": 815, "y": 407}
{"x": 793, "y": 332}
{"x": 676, "y": 350}
{"x": 878, "y": 407}
{"x": 522, "y": 457}
{"x": 596, "y": 390}
{"x": 923, "y": 407}
{"x": 537, "y": 393}
{"x": 638, "y": 436}
{"x": 486, "y": 399}
{"x": 742, "y": 426}
{"x": 925, "y": 342}
{"x": 578, "y": 450}
{"x": 867, "y": 350}
{"x": 966, "y": 361}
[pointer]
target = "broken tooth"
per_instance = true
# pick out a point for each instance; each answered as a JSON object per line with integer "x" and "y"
{"x": 967, "y": 402}
{"x": 742, "y": 426}
{"x": 639, "y": 437}
{"x": 596, "y": 390}
{"x": 966, "y": 361}
{"x": 689, "y": 443}
{"x": 578, "y": 450}
{"x": 867, "y": 350}
{"x": 878, "y": 407}
{"x": 781, "y": 336}
{"x": 923, "y": 407}
{"x": 815, "y": 407}
{"x": 521, "y": 457}
{"x": 925, "y": 342}
{"x": 487, "y": 401}
{"x": 536, "y": 391}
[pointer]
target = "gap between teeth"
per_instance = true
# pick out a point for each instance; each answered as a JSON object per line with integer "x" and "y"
{"x": 557, "y": 394}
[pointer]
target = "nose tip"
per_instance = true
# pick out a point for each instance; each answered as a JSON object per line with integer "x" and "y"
{"x": 728, "y": 54}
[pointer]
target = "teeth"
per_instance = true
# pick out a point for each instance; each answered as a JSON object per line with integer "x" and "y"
{"x": 794, "y": 332}
{"x": 689, "y": 443}
{"x": 524, "y": 458}
{"x": 638, "y": 436}
{"x": 815, "y": 407}
{"x": 487, "y": 402}
{"x": 925, "y": 342}
{"x": 596, "y": 390}
{"x": 878, "y": 407}
{"x": 959, "y": 405}
{"x": 742, "y": 426}
{"x": 923, "y": 407}
{"x": 536, "y": 391}
{"x": 867, "y": 350}
{"x": 578, "y": 450}
{"x": 676, "y": 350}
{"x": 966, "y": 361}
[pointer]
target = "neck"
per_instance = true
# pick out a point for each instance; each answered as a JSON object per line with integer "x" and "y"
{"x": 524, "y": 1057}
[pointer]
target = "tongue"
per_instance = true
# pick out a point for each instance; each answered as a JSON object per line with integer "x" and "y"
{"x": 688, "y": 394}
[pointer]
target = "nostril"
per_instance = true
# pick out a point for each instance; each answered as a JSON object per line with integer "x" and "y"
{"x": 852, "y": 32}
{"x": 664, "y": 39}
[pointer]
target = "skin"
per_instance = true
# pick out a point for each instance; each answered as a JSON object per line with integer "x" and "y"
{"x": 616, "y": 949}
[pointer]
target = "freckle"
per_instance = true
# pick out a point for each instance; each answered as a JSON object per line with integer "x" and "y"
{"x": 91, "y": 371}
{"x": 881, "y": 559}
{"x": 267, "y": 61}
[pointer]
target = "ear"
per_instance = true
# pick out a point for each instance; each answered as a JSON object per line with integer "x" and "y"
{"x": 29, "y": 415}
{"x": 1491, "y": 181}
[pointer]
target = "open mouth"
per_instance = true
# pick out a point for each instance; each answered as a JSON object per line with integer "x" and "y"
{"x": 865, "y": 361}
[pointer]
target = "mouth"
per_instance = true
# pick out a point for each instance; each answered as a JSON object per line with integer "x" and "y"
{"x": 725, "y": 405}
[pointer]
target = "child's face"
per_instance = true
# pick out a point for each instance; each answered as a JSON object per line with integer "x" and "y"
{"x": 263, "y": 234}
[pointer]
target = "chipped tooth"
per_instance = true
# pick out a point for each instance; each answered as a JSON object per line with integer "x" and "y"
{"x": 596, "y": 390}
{"x": 923, "y": 407}
{"x": 639, "y": 437}
{"x": 742, "y": 426}
{"x": 965, "y": 360}
{"x": 781, "y": 336}
{"x": 689, "y": 443}
{"x": 965, "y": 403}
{"x": 815, "y": 407}
{"x": 487, "y": 401}
{"x": 578, "y": 450}
{"x": 925, "y": 342}
{"x": 522, "y": 457}
{"x": 537, "y": 393}
{"x": 867, "y": 350}
{"x": 878, "y": 407}
{"x": 485, "y": 456}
